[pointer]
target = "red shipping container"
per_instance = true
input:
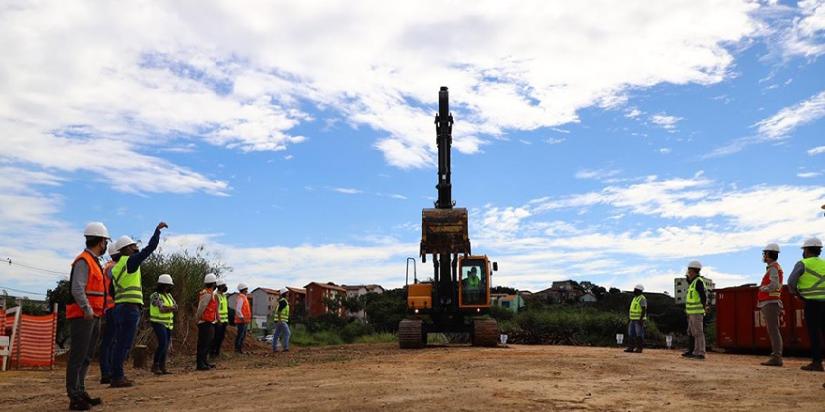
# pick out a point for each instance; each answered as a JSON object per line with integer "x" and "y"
{"x": 740, "y": 325}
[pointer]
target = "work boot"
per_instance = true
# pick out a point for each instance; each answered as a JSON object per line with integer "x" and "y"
{"x": 203, "y": 368}
{"x": 79, "y": 404}
{"x": 773, "y": 361}
{"x": 91, "y": 401}
{"x": 638, "y": 349}
{"x": 813, "y": 367}
{"x": 698, "y": 357}
{"x": 156, "y": 369}
{"x": 163, "y": 369}
{"x": 121, "y": 383}
{"x": 688, "y": 354}
{"x": 629, "y": 349}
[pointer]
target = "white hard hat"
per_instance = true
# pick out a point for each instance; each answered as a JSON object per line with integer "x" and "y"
{"x": 220, "y": 282}
{"x": 695, "y": 264}
{"x": 242, "y": 286}
{"x": 96, "y": 229}
{"x": 112, "y": 251}
{"x": 812, "y": 242}
{"x": 122, "y": 242}
{"x": 283, "y": 290}
{"x": 210, "y": 278}
{"x": 165, "y": 280}
{"x": 771, "y": 247}
{"x": 639, "y": 287}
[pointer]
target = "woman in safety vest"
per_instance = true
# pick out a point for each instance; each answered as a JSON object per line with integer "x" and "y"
{"x": 162, "y": 309}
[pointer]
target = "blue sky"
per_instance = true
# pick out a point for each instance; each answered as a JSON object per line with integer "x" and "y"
{"x": 296, "y": 143}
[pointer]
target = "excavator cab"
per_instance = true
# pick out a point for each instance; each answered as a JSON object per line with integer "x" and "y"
{"x": 474, "y": 282}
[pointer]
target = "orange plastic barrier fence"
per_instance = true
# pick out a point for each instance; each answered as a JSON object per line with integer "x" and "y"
{"x": 34, "y": 342}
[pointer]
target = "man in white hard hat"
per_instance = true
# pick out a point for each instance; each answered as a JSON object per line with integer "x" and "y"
{"x": 696, "y": 306}
{"x": 807, "y": 281}
{"x": 636, "y": 326}
{"x": 243, "y": 315}
{"x": 223, "y": 318}
{"x": 126, "y": 279}
{"x": 162, "y": 307}
{"x": 83, "y": 313}
{"x": 769, "y": 301}
{"x": 207, "y": 316}
{"x": 282, "y": 322}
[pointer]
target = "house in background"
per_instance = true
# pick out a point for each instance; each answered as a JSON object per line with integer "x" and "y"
{"x": 588, "y": 297}
{"x": 562, "y": 292}
{"x": 512, "y": 302}
{"x": 316, "y": 293}
{"x": 680, "y": 286}
{"x": 354, "y": 291}
{"x": 297, "y": 300}
{"x": 263, "y": 301}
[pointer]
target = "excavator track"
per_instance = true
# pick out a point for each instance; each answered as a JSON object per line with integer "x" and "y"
{"x": 410, "y": 334}
{"x": 485, "y": 332}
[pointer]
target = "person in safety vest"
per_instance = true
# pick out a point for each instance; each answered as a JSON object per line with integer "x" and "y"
{"x": 636, "y": 326}
{"x": 769, "y": 301}
{"x": 207, "y": 316}
{"x": 282, "y": 322}
{"x": 223, "y": 318}
{"x": 807, "y": 281}
{"x": 83, "y": 313}
{"x": 162, "y": 309}
{"x": 128, "y": 299}
{"x": 473, "y": 280}
{"x": 243, "y": 315}
{"x": 108, "y": 331}
{"x": 696, "y": 306}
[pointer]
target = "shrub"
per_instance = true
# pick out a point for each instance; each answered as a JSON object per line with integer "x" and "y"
{"x": 354, "y": 330}
{"x": 499, "y": 313}
{"x": 382, "y": 337}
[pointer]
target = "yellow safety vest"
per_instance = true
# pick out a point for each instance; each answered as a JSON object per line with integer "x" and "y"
{"x": 636, "y": 307}
{"x": 165, "y": 318}
{"x": 811, "y": 284}
{"x": 693, "y": 303}
{"x": 284, "y": 313}
{"x": 223, "y": 308}
{"x": 127, "y": 285}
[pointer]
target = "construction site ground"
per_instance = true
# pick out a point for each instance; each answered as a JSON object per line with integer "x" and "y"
{"x": 382, "y": 377}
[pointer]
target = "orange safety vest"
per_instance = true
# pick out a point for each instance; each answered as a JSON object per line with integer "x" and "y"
{"x": 95, "y": 288}
{"x": 107, "y": 283}
{"x": 245, "y": 310}
{"x": 766, "y": 280}
{"x": 211, "y": 313}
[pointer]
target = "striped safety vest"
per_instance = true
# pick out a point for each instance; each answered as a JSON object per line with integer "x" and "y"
{"x": 164, "y": 318}
{"x": 636, "y": 307}
{"x": 223, "y": 308}
{"x": 693, "y": 303}
{"x": 811, "y": 284}
{"x": 127, "y": 285}
{"x": 284, "y": 313}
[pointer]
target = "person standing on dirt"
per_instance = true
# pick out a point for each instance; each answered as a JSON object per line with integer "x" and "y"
{"x": 162, "y": 309}
{"x": 696, "y": 306}
{"x": 636, "y": 326}
{"x": 107, "y": 341}
{"x": 128, "y": 299}
{"x": 223, "y": 319}
{"x": 282, "y": 322}
{"x": 243, "y": 315}
{"x": 83, "y": 312}
{"x": 769, "y": 301}
{"x": 207, "y": 316}
{"x": 807, "y": 281}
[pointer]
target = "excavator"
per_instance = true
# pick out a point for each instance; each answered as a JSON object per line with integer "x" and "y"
{"x": 457, "y": 298}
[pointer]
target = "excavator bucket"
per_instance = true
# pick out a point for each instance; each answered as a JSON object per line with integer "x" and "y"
{"x": 444, "y": 231}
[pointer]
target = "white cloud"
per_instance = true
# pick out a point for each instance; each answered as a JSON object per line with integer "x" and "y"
{"x": 805, "y": 35}
{"x": 816, "y": 151}
{"x": 784, "y": 122}
{"x": 347, "y": 190}
{"x": 665, "y": 150}
{"x": 633, "y": 113}
{"x": 666, "y": 121}
{"x": 598, "y": 174}
{"x": 808, "y": 175}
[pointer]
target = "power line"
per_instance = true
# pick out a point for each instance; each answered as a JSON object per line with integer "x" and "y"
{"x": 14, "y": 262}
{"x": 22, "y": 291}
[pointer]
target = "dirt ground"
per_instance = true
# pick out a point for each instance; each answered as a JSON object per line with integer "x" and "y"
{"x": 381, "y": 377}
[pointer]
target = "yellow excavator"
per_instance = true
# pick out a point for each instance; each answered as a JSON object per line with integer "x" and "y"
{"x": 457, "y": 299}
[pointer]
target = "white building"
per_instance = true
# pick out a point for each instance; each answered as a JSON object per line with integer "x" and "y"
{"x": 354, "y": 291}
{"x": 680, "y": 286}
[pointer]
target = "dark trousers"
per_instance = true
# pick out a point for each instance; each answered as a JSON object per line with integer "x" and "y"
{"x": 84, "y": 339}
{"x": 164, "y": 337}
{"x": 636, "y": 334}
{"x": 815, "y": 322}
{"x": 205, "y": 332}
{"x": 239, "y": 338}
{"x": 127, "y": 316}
{"x": 217, "y": 340}
{"x": 107, "y": 343}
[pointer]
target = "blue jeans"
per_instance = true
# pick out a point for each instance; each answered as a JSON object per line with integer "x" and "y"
{"x": 636, "y": 329}
{"x": 281, "y": 328}
{"x": 164, "y": 337}
{"x": 239, "y": 338}
{"x": 127, "y": 317}
{"x": 107, "y": 344}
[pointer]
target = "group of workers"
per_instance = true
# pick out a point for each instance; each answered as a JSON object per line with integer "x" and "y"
{"x": 807, "y": 282}
{"x": 110, "y": 298}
